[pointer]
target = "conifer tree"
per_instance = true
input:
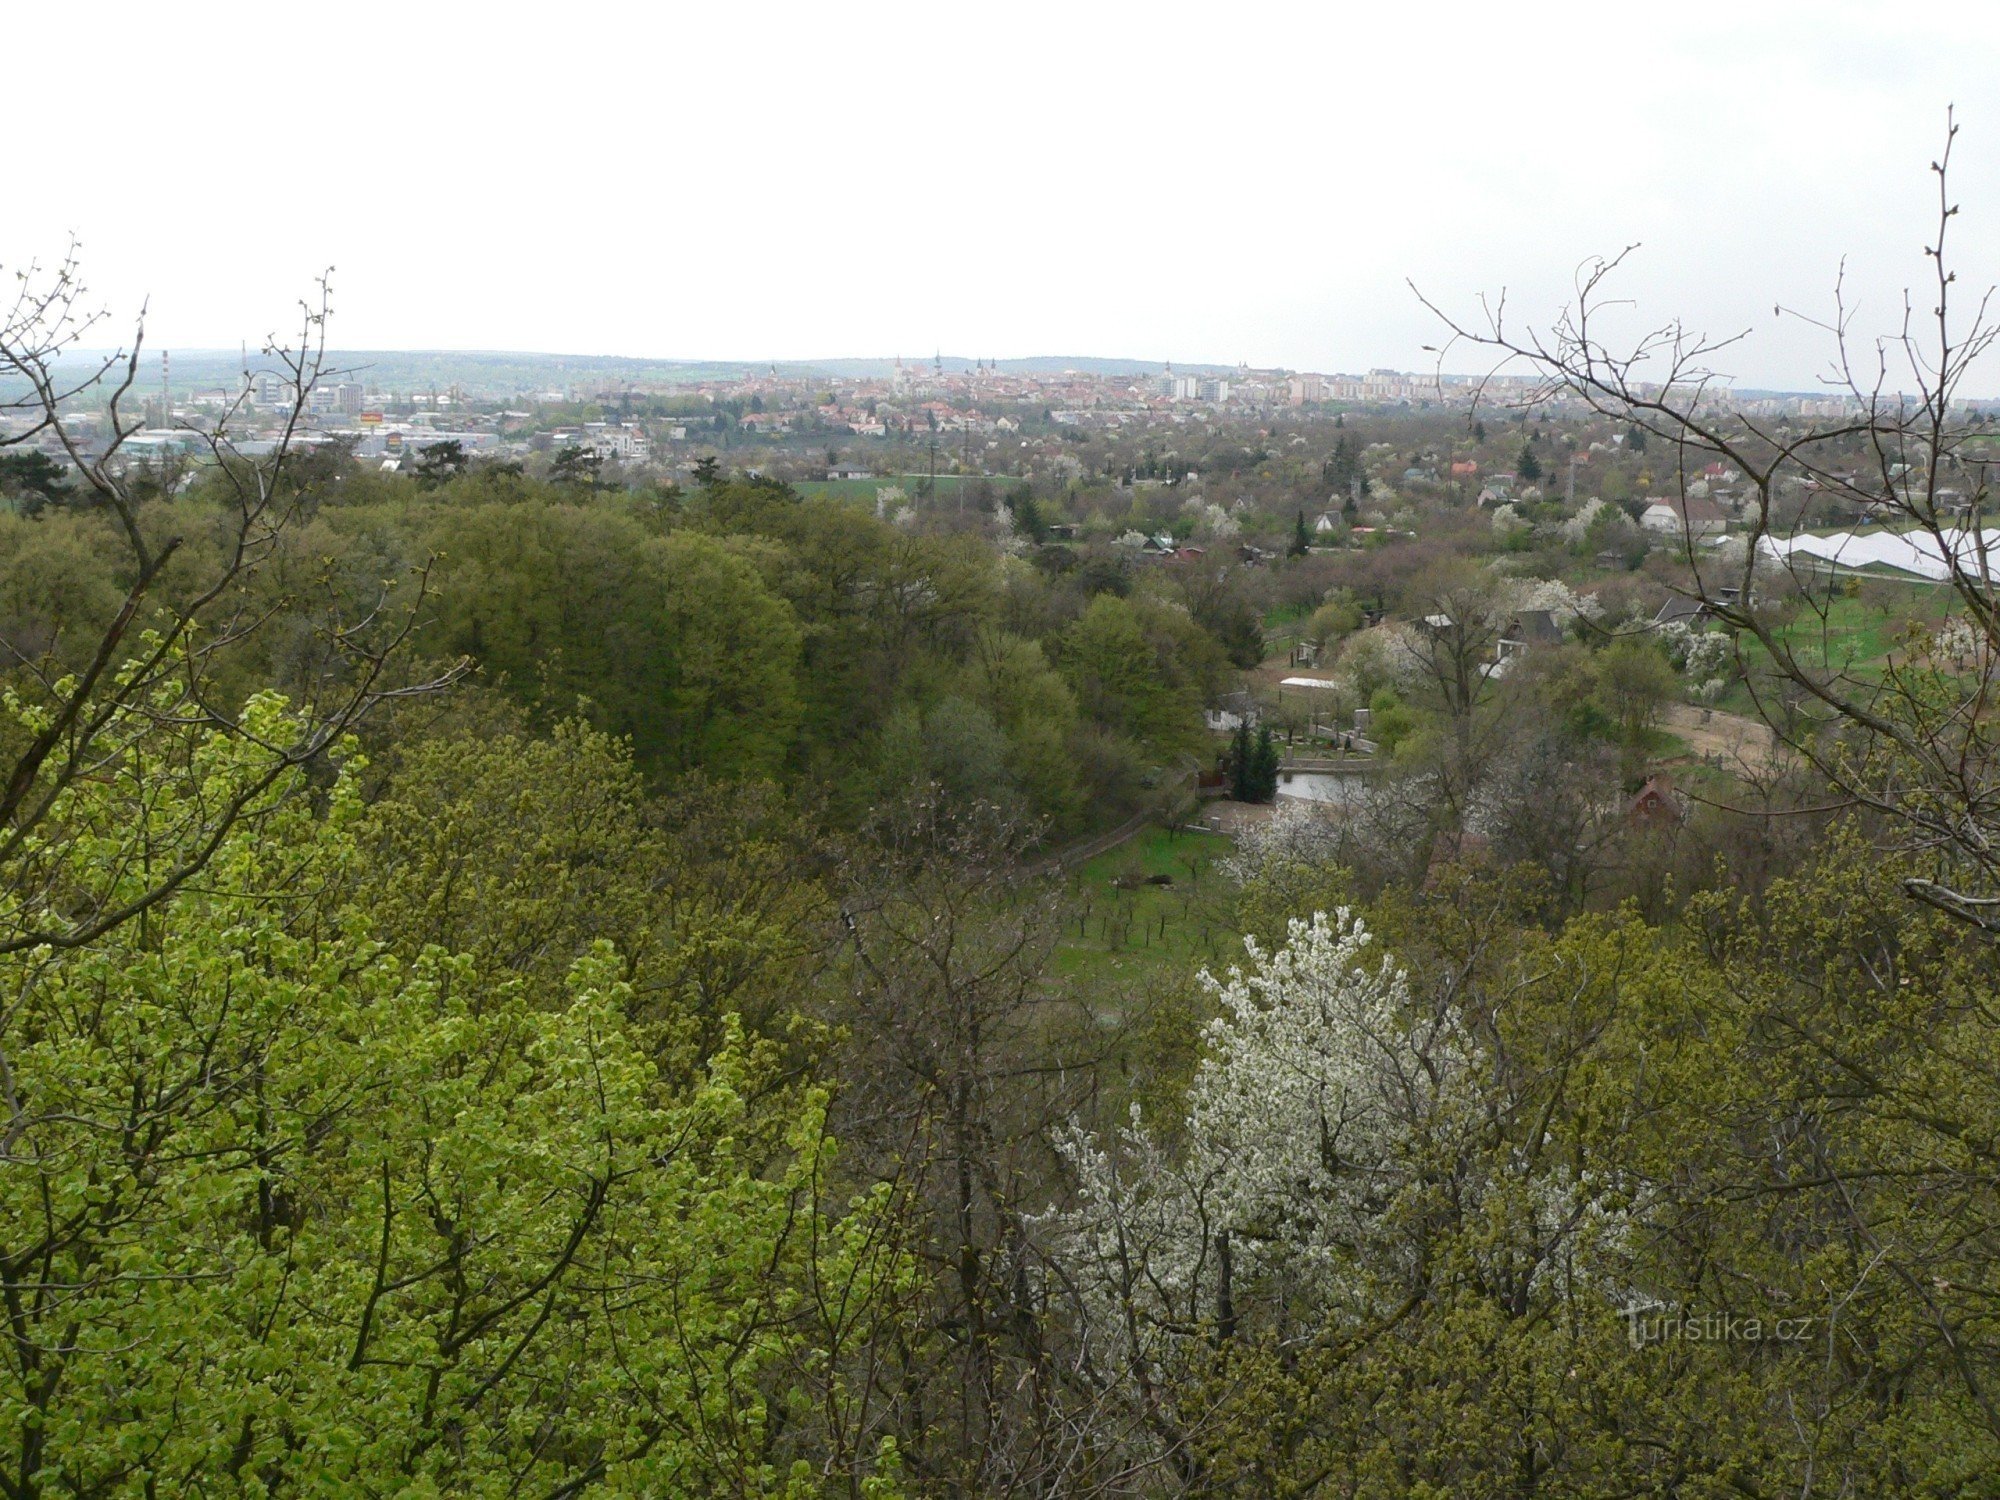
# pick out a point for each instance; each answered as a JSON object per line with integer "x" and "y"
{"x": 1264, "y": 761}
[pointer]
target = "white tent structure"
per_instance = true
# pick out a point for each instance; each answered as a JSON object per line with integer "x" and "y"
{"x": 1917, "y": 553}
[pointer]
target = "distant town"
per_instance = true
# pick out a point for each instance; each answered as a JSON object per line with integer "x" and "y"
{"x": 967, "y": 417}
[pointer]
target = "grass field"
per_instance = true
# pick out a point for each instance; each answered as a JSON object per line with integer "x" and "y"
{"x": 1130, "y": 933}
{"x": 1856, "y": 635}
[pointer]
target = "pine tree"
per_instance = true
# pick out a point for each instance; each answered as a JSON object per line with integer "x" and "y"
{"x": 1264, "y": 762}
{"x": 1301, "y": 538}
{"x": 1240, "y": 753}
{"x": 1028, "y": 515}
{"x": 1342, "y": 469}
{"x": 1529, "y": 467}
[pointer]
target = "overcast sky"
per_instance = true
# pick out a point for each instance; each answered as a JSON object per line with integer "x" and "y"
{"x": 1215, "y": 183}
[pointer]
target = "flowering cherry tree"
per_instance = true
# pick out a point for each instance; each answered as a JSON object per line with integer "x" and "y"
{"x": 1305, "y": 1122}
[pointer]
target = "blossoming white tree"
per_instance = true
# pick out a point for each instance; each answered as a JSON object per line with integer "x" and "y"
{"x": 1320, "y": 1084}
{"x": 1298, "y": 832}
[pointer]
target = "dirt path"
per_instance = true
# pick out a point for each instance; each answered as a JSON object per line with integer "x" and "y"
{"x": 1734, "y": 739}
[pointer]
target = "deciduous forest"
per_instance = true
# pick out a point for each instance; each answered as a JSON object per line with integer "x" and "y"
{"x": 518, "y": 984}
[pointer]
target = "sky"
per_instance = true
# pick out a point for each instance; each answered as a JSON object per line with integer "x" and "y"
{"x": 1214, "y": 183}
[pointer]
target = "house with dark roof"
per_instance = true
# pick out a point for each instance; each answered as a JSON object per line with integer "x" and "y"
{"x": 1685, "y": 609}
{"x": 1680, "y": 609}
{"x": 1526, "y": 629}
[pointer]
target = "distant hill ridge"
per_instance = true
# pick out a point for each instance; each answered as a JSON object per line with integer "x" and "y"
{"x": 491, "y": 373}
{"x": 507, "y": 372}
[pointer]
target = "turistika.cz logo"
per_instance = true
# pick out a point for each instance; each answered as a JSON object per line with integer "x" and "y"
{"x": 1656, "y": 1323}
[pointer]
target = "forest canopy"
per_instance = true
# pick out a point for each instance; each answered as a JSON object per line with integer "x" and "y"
{"x": 522, "y": 980}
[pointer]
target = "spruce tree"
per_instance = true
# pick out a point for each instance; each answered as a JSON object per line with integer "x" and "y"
{"x": 1264, "y": 761}
{"x": 1028, "y": 515}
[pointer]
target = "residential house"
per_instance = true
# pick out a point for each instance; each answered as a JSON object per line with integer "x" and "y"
{"x": 1231, "y": 712}
{"x": 1655, "y": 805}
{"x": 1680, "y": 609}
{"x": 1684, "y": 609}
{"x": 1689, "y": 516}
{"x": 1527, "y": 629}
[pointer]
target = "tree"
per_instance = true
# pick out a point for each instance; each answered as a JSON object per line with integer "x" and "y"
{"x": 731, "y": 651}
{"x": 950, "y": 935}
{"x": 1301, "y": 538}
{"x": 1342, "y": 471}
{"x": 1264, "y": 762}
{"x": 557, "y": 602}
{"x": 164, "y": 656}
{"x": 1634, "y": 682}
{"x": 1028, "y": 515}
{"x": 59, "y": 585}
{"x": 522, "y": 853}
{"x": 1036, "y": 710}
{"x": 1339, "y": 616}
{"x": 441, "y": 462}
{"x": 283, "y": 1215}
{"x": 1527, "y": 465}
{"x": 576, "y": 465}
{"x": 1273, "y": 1202}
{"x": 1140, "y": 669}
{"x": 1461, "y": 611}
{"x": 1916, "y": 745}
{"x": 33, "y": 480}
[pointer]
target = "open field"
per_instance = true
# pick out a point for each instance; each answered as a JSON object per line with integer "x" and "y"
{"x": 1737, "y": 740}
{"x": 1131, "y": 932}
{"x": 1855, "y": 634}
